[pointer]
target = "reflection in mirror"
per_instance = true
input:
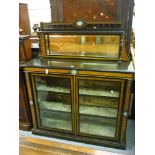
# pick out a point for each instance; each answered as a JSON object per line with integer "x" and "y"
{"x": 83, "y": 45}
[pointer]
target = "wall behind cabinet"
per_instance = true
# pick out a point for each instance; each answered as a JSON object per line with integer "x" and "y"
{"x": 39, "y": 11}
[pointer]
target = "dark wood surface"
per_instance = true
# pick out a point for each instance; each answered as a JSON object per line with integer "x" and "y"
{"x": 68, "y": 11}
{"x": 24, "y": 111}
{"x": 105, "y": 11}
{"x": 89, "y": 65}
{"x": 24, "y": 21}
{"x": 25, "y": 54}
{"x": 94, "y": 70}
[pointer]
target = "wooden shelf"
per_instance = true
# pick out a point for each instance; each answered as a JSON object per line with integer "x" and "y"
{"x": 83, "y": 109}
{"x": 98, "y": 111}
{"x": 97, "y": 126}
{"x": 82, "y": 91}
{"x": 53, "y": 119}
{"x": 53, "y": 89}
{"x": 107, "y": 102}
{"x": 56, "y": 106}
{"x": 104, "y": 93}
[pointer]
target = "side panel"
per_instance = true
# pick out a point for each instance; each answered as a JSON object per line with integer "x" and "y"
{"x": 125, "y": 111}
{"x": 24, "y": 111}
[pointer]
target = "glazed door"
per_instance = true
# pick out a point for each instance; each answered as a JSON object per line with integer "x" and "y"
{"x": 53, "y": 96}
{"x": 98, "y": 103}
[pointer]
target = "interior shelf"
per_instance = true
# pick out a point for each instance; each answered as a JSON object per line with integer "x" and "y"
{"x": 108, "y": 102}
{"x": 96, "y": 126}
{"x": 110, "y": 85}
{"x": 98, "y": 111}
{"x": 54, "y": 97}
{"x": 53, "y": 89}
{"x": 57, "y": 106}
{"x": 84, "y": 109}
{"x": 82, "y": 91}
{"x": 54, "y": 123}
{"x": 56, "y": 120}
{"x": 88, "y": 91}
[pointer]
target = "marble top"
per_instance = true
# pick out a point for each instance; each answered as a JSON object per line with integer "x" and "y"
{"x": 92, "y": 65}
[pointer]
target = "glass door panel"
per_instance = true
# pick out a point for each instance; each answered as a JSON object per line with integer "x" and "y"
{"x": 98, "y": 107}
{"x": 54, "y": 101}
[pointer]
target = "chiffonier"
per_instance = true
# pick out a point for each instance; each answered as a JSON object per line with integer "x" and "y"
{"x": 79, "y": 87}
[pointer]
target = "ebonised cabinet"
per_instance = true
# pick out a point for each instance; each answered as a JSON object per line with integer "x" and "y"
{"x": 83, "y": 101}
{"x": 80, "y": 86}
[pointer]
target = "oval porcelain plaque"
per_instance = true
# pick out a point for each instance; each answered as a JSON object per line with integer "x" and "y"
{"x": 80, "y": 23}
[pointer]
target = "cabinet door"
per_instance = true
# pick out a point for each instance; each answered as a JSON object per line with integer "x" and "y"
{"x": 99, "y": 103}
{"x": 53, "y": 101}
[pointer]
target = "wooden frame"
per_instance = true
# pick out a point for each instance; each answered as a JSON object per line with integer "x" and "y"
{"x": 125, "y": 111}
{"x": 122, "y": 55}
{"x": 31, "y": 101}
{"x": 118, "y": 126}
{"x": 37, "y": 106}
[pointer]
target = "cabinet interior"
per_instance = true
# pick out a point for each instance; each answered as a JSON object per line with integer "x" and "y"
{"x": 97, "y": 104}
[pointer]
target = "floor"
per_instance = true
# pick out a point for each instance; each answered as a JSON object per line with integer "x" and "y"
{"x": 39, "y": 145}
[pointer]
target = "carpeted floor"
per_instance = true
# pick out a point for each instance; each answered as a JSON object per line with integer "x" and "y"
{"x": 36, "y": 146}
{"x": 39, "y": 145}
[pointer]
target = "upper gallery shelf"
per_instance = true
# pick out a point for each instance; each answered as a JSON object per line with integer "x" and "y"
{"x": 103, "y": 45}
{"x": 79, "y": 29}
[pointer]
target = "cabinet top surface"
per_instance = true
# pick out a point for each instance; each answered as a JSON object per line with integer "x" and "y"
{"x": 108, "y": 66}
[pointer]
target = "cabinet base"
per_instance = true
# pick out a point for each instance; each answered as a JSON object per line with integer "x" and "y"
{"x": 105, "y": 143}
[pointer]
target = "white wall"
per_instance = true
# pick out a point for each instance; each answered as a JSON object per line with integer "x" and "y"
{"x": 39, "y": 11}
